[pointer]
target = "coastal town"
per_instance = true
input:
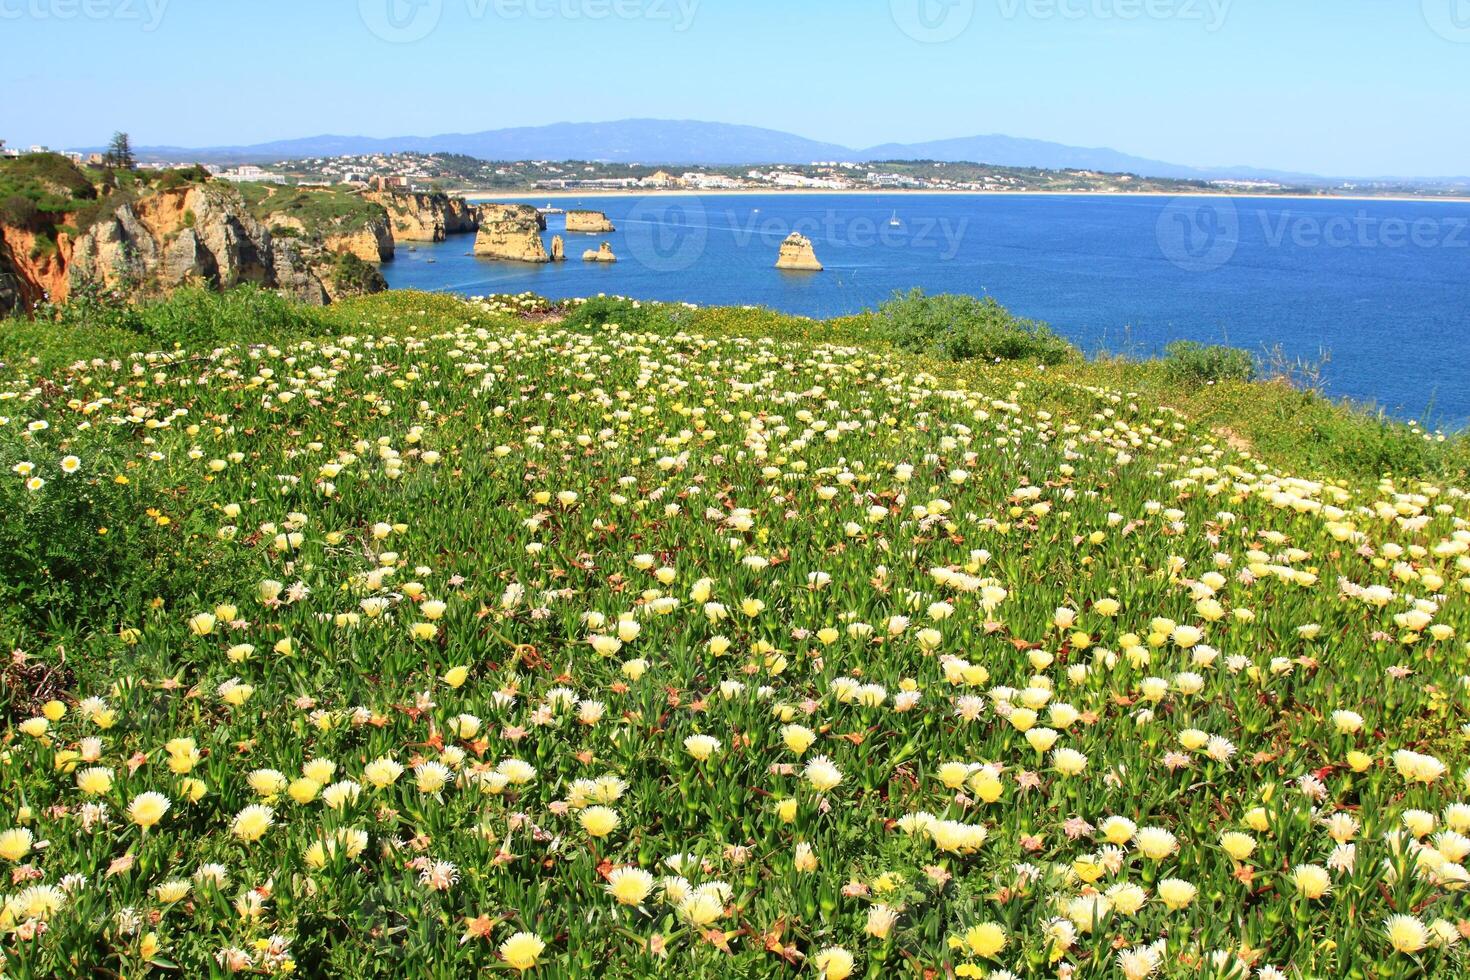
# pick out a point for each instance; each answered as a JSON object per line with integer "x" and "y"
{"x": 422, "y": 172}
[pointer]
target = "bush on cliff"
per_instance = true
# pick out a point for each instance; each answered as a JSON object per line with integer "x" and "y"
{"x": 1189, "y": 363}
{"x": 625, "y": 314}
{"x": 963, "y": 328}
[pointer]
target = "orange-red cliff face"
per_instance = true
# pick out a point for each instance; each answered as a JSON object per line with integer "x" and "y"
{"x": 30, "y": 275}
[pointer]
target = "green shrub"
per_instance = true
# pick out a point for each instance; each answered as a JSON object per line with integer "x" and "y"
{"x": 628, "y": 315}
{"x": 351, "y": 274}
{"x": 19, "y": 211}
{"x": 1186, "y": 362}
{"x": 962, "y": 328}
{"x": 200, "y": 319}
{"x": 84, "y": 551}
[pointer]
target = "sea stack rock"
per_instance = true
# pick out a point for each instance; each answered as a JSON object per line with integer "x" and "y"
{"x": 512, "y": 233}
{"x": 425, "y": 217}
{"x": 798, "y": 255}
{"x": 603, "y": 254}
{"x": 589, "y": 222}
{"x": 558, "y": 249}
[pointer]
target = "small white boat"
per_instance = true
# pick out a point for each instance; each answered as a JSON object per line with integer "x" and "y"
{"x": 894, "y": 222}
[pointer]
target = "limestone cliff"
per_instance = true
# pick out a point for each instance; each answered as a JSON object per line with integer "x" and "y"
{"x": 797, "y": 254}
{"x": 506, "y": 212}
{"x": 589, "y": 222}
{"x": 372, "y": 242}
{"x": 511, "y": 232}
{"x": 203, "y": 234}
{"x": 603, "y": 254}
{"x": 558, "y": 249}
{"x": 178, "y": 227}
{"x": 425, "y": 217}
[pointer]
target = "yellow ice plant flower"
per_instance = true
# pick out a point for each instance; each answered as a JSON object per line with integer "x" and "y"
{"x": 822, "y": 774}
{"x": 147, "y": 809}
{"x": 382, "y": 772}
{"x": 522, "y": 950}
{"x": 1239, "y": 846}
{"x": 798, "y": 738}
{"x": 1155, "y": 843}
{"x": 303, "y": 790}
{"x": 251, "y": 823}
{"x": 15, "y": 844}
{"x": 1406, "y": 934}
{"x": 701, "y": 747}
{"x": 629, "y": 886}
{"x": 834, "y": 963}
{"x": 266, "y": 783}
{"x": 985, "y": 940}
{"x": 599, "y": 821}
{"x": 1177, "y": 894}
{"x": 94, "y": 780}
{"x": 701, "y": 908}
{"x": 1311, "y": 880}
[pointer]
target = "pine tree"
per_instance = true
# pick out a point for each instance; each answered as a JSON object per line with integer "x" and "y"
{"x": 120, "y": 152}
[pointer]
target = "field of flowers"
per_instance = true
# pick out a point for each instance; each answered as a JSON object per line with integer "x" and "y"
{"x": 619, "y": 654}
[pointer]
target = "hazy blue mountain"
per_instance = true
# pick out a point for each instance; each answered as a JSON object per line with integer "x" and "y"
{"x": 660, "y": 141}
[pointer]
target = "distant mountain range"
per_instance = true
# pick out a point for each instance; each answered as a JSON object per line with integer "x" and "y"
{"x": 661, "y": 141}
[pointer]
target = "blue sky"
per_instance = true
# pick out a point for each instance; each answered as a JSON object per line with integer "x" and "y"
{"x": 1342, "y": 87}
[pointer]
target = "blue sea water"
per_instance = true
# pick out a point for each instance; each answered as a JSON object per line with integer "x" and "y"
{"x": 1381, "y": 287}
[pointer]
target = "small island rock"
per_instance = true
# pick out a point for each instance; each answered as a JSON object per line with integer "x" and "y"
{"x": 603, "y": 254}
{"x": 589, "y": 222}
{"x": 798, "y": 255}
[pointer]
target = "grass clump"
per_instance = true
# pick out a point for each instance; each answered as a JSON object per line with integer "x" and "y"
{"x": 1187, "y": 362}
{"x": 601, "y": 312}
{"x": 963, "y": 328}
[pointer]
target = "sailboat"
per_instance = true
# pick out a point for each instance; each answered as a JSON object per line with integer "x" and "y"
{"x": 894, "y": 222}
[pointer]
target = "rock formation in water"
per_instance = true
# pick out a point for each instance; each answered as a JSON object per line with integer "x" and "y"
{"x": 558, "y": 249}
{"x": 589, "y": 222}
{"x": 603, "y": 254}
{"x": 416, "y": 217}
{"x": 798, "y": 255}
{"x": 511, "y": 232}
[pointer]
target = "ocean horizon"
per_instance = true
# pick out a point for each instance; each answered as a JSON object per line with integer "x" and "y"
{"x": 1374, "y": 290}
